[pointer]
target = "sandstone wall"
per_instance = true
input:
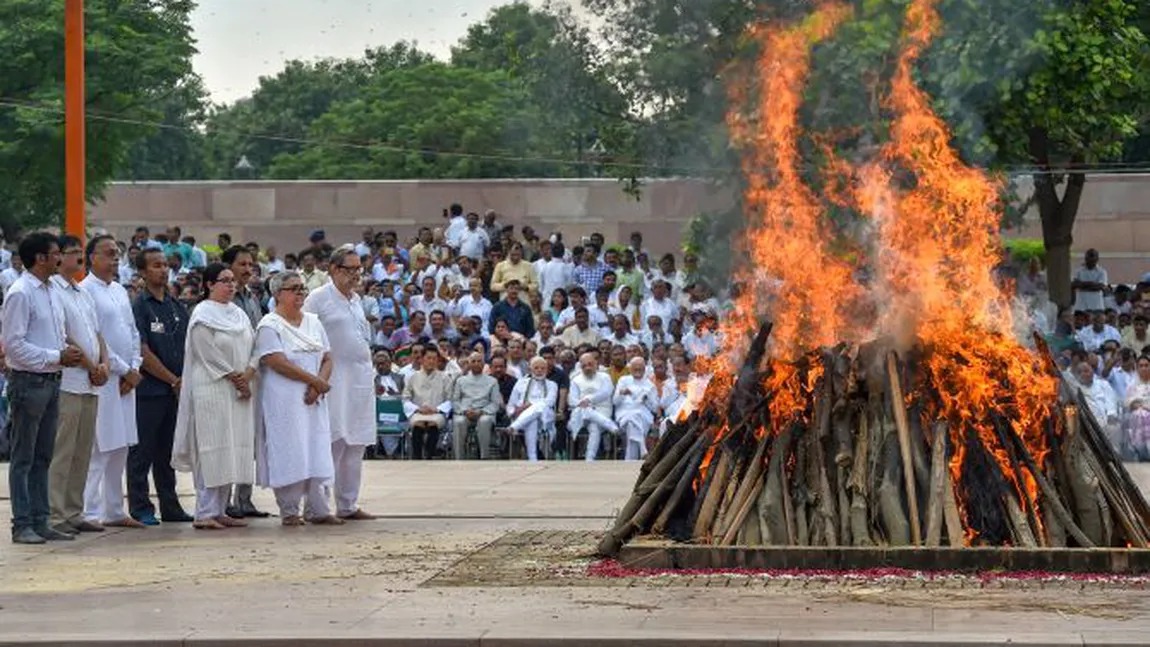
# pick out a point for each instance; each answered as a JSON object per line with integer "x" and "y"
{"x": 1115, "y": 214}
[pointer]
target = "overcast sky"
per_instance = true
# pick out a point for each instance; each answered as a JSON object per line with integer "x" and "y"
{"x": 241, "y": 40}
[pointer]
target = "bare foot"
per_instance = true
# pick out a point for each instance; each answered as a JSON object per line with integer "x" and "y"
{"x": 207, "y": 524}
{"x": 229, "y": 522}
{"x": 329, "y": 520}
{"x": 292, "y": 520}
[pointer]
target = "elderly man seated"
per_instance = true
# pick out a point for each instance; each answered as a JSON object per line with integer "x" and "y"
{"x": 475, "y": 400}
{"x": 531, "y": 406}
{"x": 635, "y": 405}
{"x": 589, "y": 399}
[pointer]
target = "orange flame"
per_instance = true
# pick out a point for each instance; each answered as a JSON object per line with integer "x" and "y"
{"x": 939, "y": 248}
{"x": 805, "y": 287}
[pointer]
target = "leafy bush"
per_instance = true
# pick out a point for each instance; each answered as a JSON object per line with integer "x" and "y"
{"x": 1024, "y": 249}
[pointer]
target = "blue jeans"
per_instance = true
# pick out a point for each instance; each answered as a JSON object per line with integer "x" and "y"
{"x": 34, "y": 399}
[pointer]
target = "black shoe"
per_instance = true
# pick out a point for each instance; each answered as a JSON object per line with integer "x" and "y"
{"x": 27, "y": 536}
{"x": 234, "y": 512}
{"x": 50, "y": 534}
{"x": 178, "y": 517}
{"x": 248, "y": 510}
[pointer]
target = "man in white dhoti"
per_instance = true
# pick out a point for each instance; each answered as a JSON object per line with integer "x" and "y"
{"x": 351, "y": 404}
{"x": 116, "y": 408}
{"x": 531, "y": 406}
{"x": 215, "y": 423}
{"x": 293, "y": 452}
{"x": 76, "y": 430}
{"x": 1103, "y": 404}
{"x": 590, "y": 403}
{"x": 635, "y": 405}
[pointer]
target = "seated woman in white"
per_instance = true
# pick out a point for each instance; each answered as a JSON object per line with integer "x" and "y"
{"x": 635, "y": 407}
{"x": 531, "y": 406}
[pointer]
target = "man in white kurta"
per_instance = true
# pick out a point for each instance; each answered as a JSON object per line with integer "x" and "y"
{"x": 351, "y": 402}
{"x": 115, "y": 411}
{"x": 1103, "y": 403}
{"x": 590, "y": 403}
{"x": 635, "y": 405}
{"x": 531, "y": 406}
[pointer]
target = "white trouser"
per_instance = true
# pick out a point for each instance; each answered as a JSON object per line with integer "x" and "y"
{"x": 636, "y": 441}
{"x": 530, "y": 422}
{"x": 210, "y": 501}
{"x": 594, "y": 422}
{"x": 288, "y": 499}
{"x": 348, "y": 461}
{"x": 104, "y": 491}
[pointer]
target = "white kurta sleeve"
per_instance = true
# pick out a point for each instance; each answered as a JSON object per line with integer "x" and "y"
{"x": 268, "y": 342}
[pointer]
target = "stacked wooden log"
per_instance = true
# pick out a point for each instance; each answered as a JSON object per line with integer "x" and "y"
{"x": 862, "y": 464}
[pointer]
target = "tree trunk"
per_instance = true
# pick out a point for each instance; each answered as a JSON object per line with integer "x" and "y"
{"x": 1057, "y": 214}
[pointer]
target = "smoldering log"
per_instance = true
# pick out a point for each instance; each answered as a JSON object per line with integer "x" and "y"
{"x": 938, "y": 469}
{"x": 902, "y": 425}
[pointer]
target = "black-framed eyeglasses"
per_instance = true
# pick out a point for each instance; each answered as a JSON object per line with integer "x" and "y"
{"x": 298, "y": 289}
{"x": 357, "y": 269}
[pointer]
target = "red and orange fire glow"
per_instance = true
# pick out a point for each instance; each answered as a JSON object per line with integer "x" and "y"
{"x": 936, "y": 244}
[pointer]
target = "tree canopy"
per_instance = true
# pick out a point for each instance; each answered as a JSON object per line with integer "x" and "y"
{"x": 138, "y": 56}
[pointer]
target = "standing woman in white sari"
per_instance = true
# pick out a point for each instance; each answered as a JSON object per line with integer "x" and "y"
{"x": 215, "y": 423}
{"x": 294, "y": 455}
{"x": 635, "y": 405}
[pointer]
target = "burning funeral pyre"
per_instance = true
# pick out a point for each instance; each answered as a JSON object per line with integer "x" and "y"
{"x": 920, "y": 422}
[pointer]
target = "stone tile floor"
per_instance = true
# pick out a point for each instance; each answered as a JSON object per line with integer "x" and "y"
{"x": 499, "y": 553}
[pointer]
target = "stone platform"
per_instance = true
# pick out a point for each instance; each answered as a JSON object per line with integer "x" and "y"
{"x": 500, "y": 554}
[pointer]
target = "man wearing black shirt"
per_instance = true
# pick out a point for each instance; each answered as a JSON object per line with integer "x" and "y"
{"x": 162, "y": 323}
{"x": 516, "y": 313}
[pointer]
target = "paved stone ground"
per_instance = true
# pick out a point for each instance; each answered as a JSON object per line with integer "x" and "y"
{"x": 500, "y": 553}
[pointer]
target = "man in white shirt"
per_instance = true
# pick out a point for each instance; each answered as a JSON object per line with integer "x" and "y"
{"x": 363, "y": 247}
{"x": 351, "y": 401}
{"x": 36, "y": 348}
{"x": 660, "y": 304}
{"x": 578, "y": 298}
{"x": 590, "y": 403}
{"x": 1090, "y": 283}
{"x": 5, "y": 256}
{"x": 9, "y": 276}
{"x": 77, "y": 421}
{"x": 1099, "y": 332}
{"x": 1103, "y": 403}
{"x": 456, "y": 225}
{"x": 552, "y": 272}
{"x": 275, "y": 263}
{"x": 116, "y": 425}
{"x": 621, "y": 332}
{"x": 473, "y": 304}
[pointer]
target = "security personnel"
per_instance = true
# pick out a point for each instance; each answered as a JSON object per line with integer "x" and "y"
{"x": 162, "y": 322}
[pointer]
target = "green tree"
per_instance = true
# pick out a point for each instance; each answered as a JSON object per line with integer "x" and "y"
{"x": 138, "y": 53}
{"x": 276, "y": 118}
{"x": 582, "y": 114}
{"x": 175, "y": 149}
{"x": 398, "y": 124}
{"x": 1050, "y": 86}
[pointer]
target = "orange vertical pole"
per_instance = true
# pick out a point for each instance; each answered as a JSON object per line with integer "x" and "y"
{"x": 74, "y": 156}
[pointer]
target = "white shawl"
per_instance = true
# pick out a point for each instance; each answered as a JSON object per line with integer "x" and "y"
{"x": 293, "y": 338}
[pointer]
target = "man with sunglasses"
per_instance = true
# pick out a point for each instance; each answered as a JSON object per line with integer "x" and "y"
{"x": 351, "y": 401}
